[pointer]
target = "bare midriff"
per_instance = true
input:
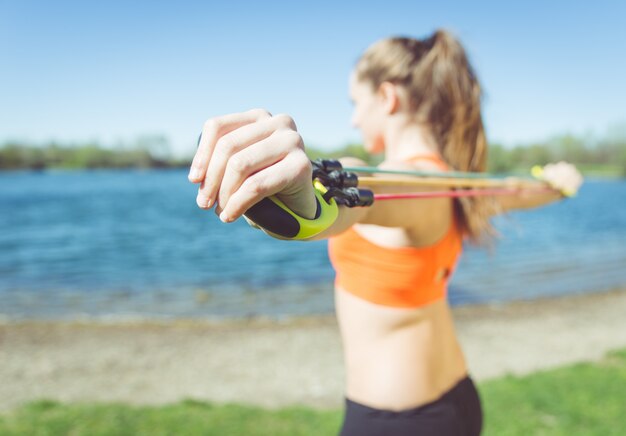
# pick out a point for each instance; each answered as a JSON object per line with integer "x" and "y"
{"x": 398, "y": 358}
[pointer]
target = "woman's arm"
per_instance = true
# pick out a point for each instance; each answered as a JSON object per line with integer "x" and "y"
{"x": 527, "y": 200}
{"x": 245, "y": 157}
{"x": 562, "y": 176}
{"x": 426, "y": 220}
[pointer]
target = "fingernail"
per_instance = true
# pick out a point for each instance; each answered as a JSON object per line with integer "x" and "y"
{"x": 194, "y": 173}
{"x": 202, "y": 201}
{"x": 224, "y": 218}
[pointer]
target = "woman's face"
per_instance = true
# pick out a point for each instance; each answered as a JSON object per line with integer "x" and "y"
{"x": 367, "y": 115}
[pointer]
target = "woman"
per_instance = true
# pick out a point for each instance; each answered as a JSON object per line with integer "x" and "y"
{"x": 418, "y": 102}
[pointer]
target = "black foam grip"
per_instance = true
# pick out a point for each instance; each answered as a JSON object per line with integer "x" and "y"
{"x": 273, "y": 218}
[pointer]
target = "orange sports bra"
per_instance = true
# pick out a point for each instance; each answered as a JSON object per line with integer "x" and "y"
{"x": 406, "y": 277}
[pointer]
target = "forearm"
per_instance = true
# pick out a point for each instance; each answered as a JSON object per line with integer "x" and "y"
{"x": 427, "y": 214}
{"x": 528, "y": 200}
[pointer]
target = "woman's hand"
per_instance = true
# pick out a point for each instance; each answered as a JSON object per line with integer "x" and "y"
{"x": 563, "y": 176}
{"x": 244, "y": 157}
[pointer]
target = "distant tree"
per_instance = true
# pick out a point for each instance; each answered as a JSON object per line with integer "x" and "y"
{"x": 498, "y": 160}
{"x": 571, "y": 149}
{"x": 153, "y": 151}
{"x": 156, "y": 147}
{"x": 11, "y": 157}
{"x": 537, "y": 154}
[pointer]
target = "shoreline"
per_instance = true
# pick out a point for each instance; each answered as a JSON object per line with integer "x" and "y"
{"x": 148, "y": 361}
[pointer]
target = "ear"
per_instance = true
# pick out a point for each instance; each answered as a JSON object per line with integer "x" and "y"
{"x": 388, "y": 93}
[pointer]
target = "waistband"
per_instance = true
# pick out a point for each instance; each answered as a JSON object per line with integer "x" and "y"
{"x": 455, "y": 394}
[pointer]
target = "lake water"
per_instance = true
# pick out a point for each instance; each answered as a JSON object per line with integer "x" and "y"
{"x": 132, "y": 243}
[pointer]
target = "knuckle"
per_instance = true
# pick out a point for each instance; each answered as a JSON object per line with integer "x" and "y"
{"x": 208, "y": 124}
{"x": 213, "y": 125}
{"x": 292, "y": 137}
{"x": 285, "y": 120}
{"x": 256, "y": 187}
{"x": 238, "y": 164}
{"x": 302, "y": 165}
{"x": 226, "y": 145}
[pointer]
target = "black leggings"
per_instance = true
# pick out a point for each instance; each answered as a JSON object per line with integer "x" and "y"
{"x": 456, "y": 413}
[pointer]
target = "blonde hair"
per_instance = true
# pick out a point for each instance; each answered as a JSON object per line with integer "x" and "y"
{"x": 443, "y": 92}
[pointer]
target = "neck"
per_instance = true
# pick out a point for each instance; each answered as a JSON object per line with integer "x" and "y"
{"x": 405, "y": 139}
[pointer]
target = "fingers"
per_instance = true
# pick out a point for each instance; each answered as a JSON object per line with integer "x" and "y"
{"x": 291, "y": 175}
{"x": 255, "y": 158}
{"x": 564, "y": 177}
{"x": 212, "y": 130}
{"x": 242, "y": 158}
{"x": 231, "y": 158}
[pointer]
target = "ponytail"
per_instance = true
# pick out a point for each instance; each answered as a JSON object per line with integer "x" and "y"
{"x": 445, "y": 94}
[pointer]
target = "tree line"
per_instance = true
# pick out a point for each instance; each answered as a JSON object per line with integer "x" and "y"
{"x": 605, "y": 156}
{"x": 145, "y": 152}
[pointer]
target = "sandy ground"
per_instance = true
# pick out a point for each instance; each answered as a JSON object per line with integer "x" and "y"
{"x": 273, "y": 363}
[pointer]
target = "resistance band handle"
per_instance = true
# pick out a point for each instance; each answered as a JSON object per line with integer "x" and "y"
{"x": 276, "y": 218}
{"x": 537, "y": 173}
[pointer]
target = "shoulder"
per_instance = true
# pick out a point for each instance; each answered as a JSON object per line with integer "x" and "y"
{"x": 423, "y": 221}
{"x": 349, "y": 161}
{"x": 420, "y": 163}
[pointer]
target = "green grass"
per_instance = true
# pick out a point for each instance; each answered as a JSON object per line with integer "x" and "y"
{"x": 583, "y": 399}
{"x": 602, "y": 170}
{"x": 185, "y": 418}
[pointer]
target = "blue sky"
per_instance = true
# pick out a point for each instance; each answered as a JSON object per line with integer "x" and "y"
{"x": 112, "y": 71}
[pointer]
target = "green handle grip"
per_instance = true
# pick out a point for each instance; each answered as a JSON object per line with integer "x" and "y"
{"x": 275, "y": 217}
